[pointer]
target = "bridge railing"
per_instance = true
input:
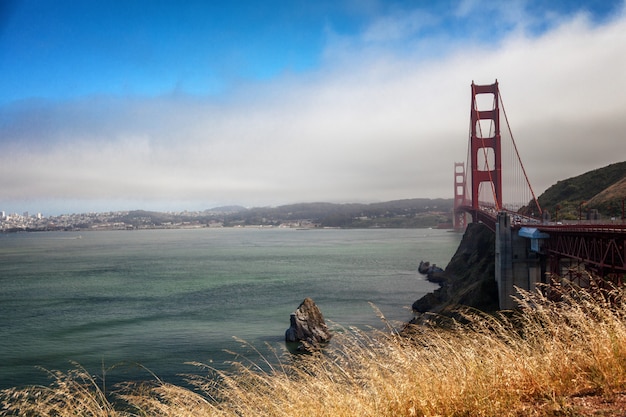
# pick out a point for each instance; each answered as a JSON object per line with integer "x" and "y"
{"x": 586, "y": 226}
{"x": 489, "y": 210}
{"x": 612, "y": 220}
{"x": 518, "y": 219}
{"x": 487, "y": 214}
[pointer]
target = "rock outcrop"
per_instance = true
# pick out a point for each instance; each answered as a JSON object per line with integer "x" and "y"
{"x": 469, "y": 279}
{"x": 308, "y": 327}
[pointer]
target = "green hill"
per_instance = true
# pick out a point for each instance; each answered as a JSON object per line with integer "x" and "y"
{"x": 602, "y": 190}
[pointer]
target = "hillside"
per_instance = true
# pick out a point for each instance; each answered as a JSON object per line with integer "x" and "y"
{"x": 416, "y": 212}
{"x": 603, "y": 189}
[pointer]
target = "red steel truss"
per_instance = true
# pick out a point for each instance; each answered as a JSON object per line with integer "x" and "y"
{"x": 600, "y": 248}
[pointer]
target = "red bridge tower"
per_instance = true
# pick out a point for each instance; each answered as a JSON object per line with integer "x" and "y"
{"x": 486, "y": 158}
{"x": 459, "y": 219}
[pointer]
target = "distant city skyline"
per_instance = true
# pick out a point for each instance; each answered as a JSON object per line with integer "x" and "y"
{"x": 172, "y": 106}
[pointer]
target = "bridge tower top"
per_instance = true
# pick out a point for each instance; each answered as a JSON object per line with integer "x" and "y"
{"x": 485, "y": 144}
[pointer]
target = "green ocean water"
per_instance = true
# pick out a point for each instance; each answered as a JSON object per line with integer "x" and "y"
{"x": 160, "y": 298}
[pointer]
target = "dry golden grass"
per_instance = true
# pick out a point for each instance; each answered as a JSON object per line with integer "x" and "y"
{"x": 538, "y": 362}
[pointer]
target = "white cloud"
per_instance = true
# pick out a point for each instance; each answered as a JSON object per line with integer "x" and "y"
{"x": 379, "y": 126}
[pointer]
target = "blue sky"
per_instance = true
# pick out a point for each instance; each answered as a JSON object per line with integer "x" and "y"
{"x": 170, "y": 105}
{"x": 65, "y": 49}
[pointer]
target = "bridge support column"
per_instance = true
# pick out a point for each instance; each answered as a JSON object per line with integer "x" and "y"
{"x": 517, "y": 265}
{"x": 504, "y": 261}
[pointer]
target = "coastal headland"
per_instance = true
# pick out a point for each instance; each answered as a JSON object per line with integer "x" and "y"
{"x": 468, "y": 279}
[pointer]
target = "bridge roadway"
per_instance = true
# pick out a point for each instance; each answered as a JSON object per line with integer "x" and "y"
{"x": 598, "y": 244}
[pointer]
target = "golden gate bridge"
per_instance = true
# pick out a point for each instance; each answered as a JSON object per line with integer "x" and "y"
{"x": 492, "y": 187}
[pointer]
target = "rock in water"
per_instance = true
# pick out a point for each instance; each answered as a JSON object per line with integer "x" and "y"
{"x": 308, "y": 327}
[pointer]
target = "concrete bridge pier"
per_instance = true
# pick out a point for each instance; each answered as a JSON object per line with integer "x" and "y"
{"x": 518, "y": 261}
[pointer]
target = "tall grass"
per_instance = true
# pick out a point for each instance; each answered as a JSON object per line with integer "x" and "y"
{"x": 528, "y": 363}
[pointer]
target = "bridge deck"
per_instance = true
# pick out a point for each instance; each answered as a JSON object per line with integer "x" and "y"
{"x": 598, "y": 244}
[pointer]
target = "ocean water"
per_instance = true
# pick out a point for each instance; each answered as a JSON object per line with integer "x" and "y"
{"x": 126, "y": 304}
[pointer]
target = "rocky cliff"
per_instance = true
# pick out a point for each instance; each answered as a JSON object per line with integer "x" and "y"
{"x": 469, "y": 278}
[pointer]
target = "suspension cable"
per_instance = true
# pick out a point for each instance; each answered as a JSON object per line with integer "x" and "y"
{"x": 518, "y": 156}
